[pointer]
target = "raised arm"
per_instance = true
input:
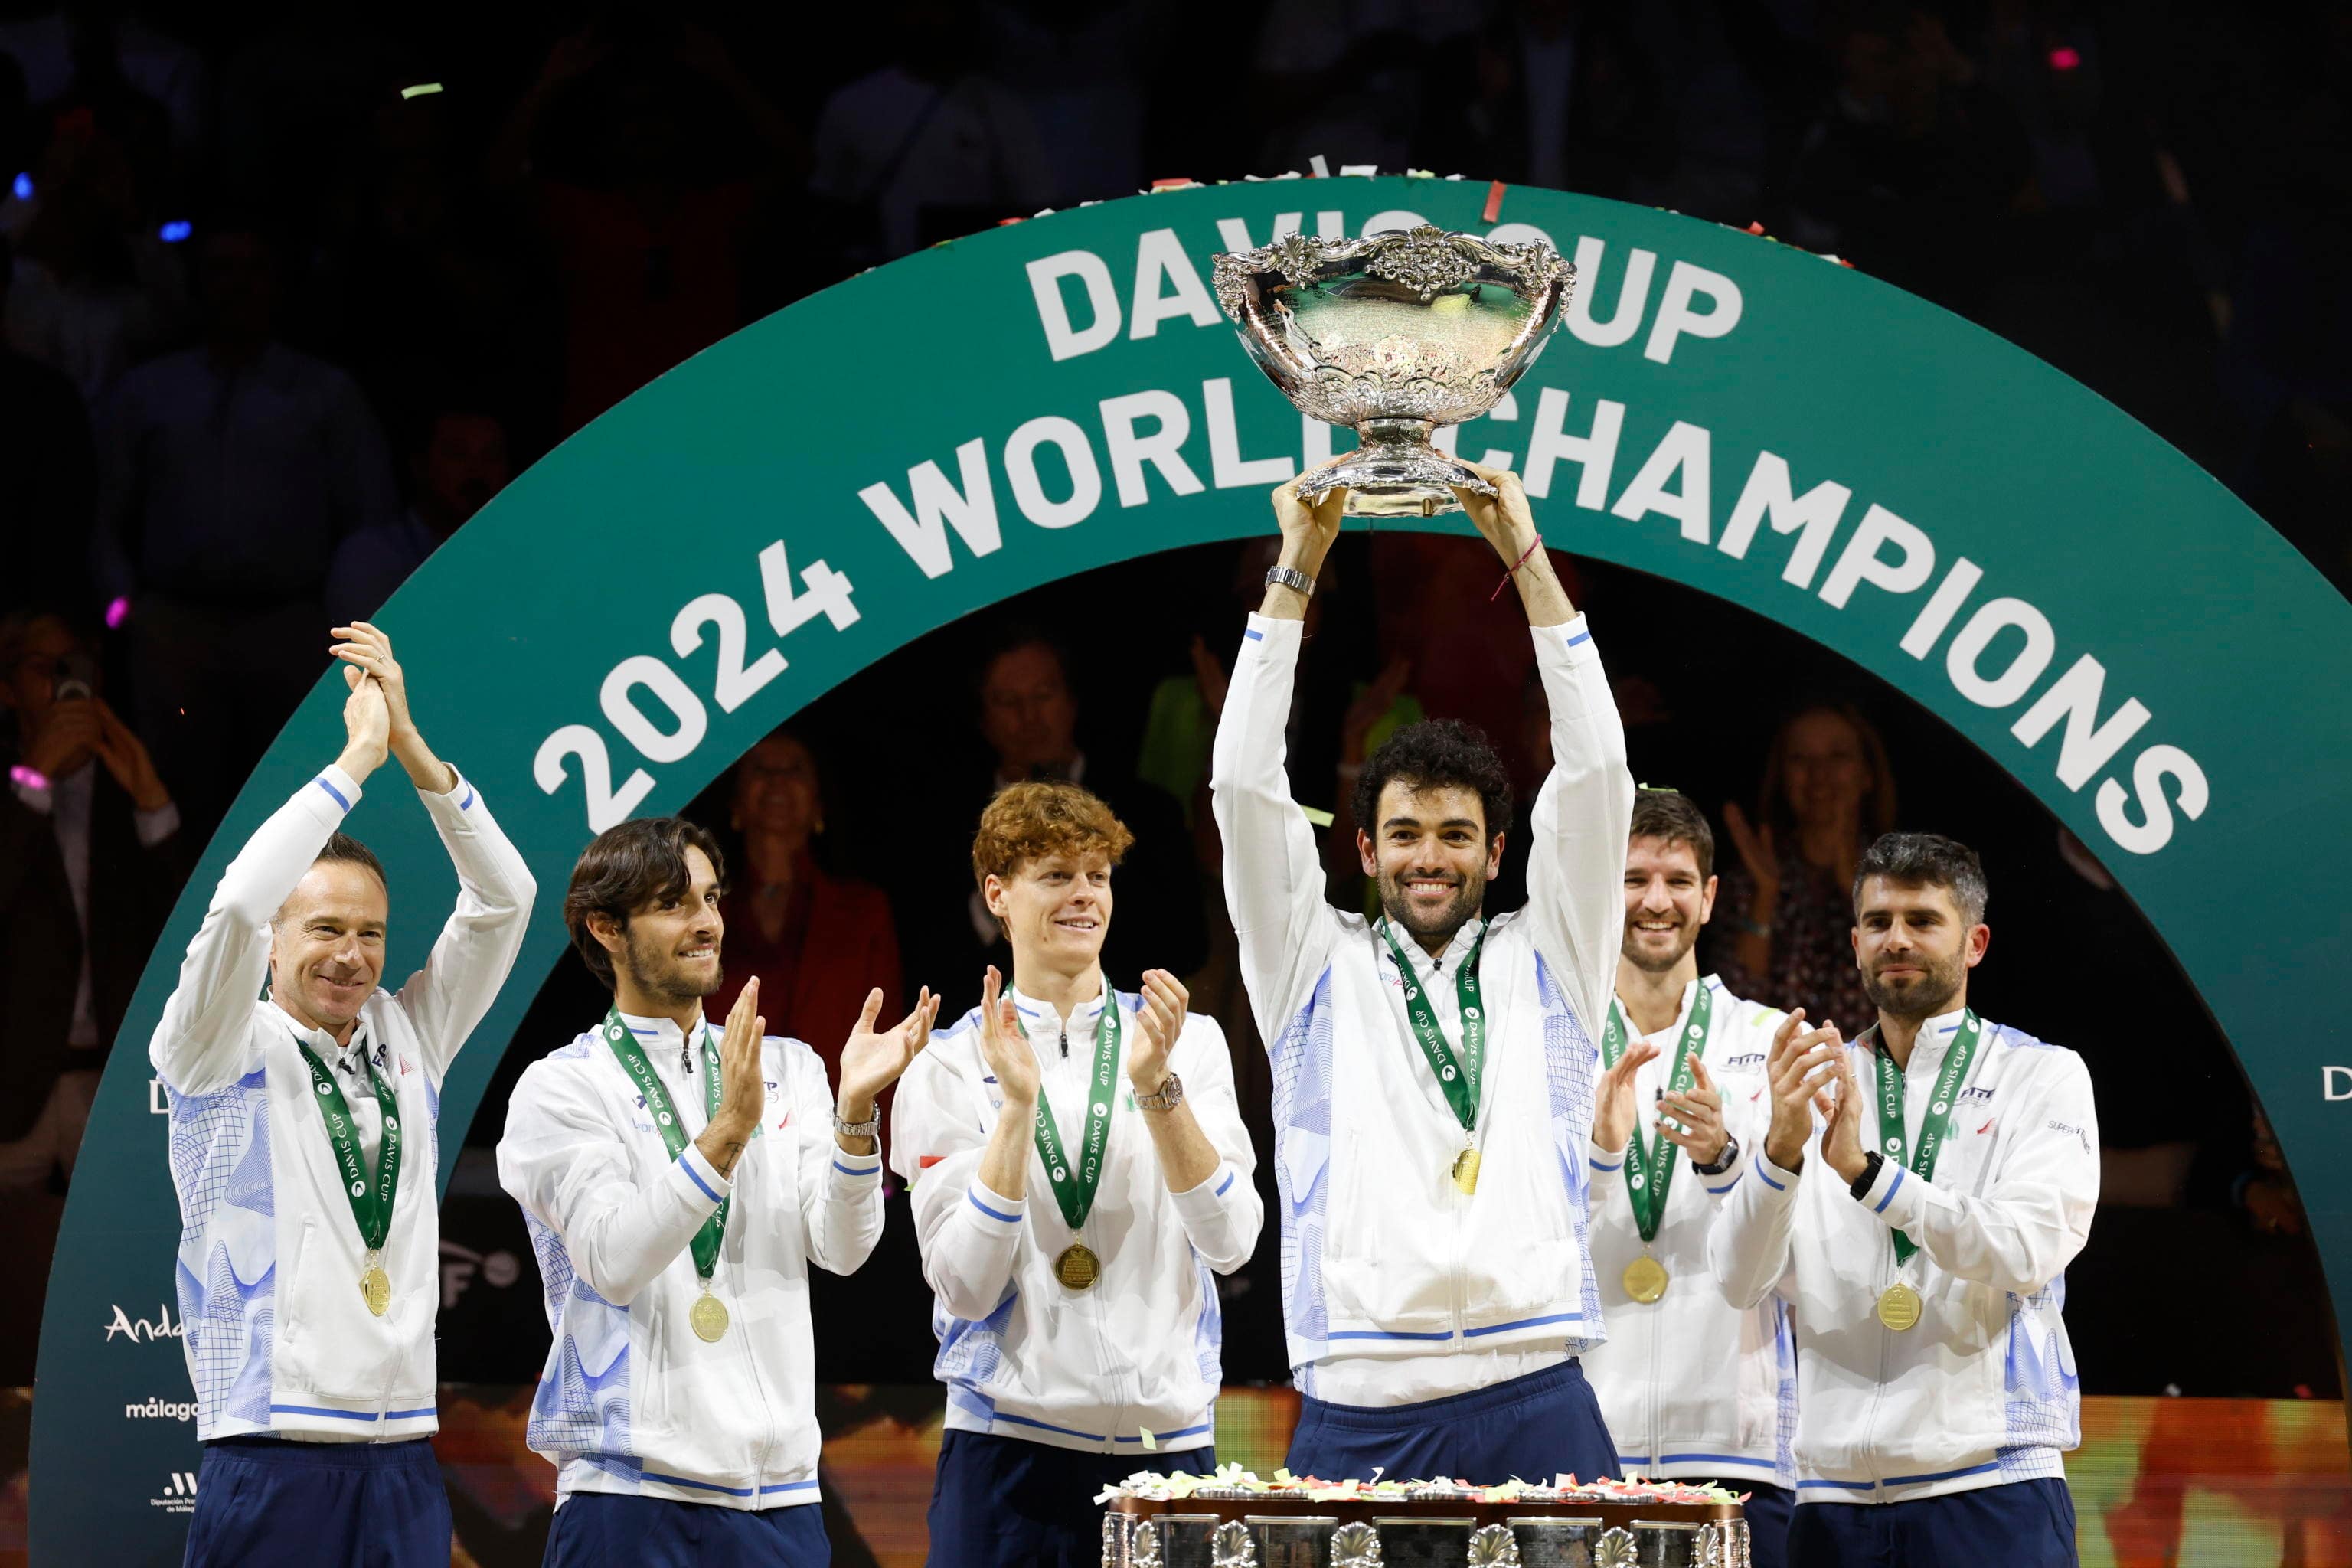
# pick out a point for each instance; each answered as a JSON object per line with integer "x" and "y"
{"x": 1749, "y": 1249}
{"x": 478, "y": 946}
{"x": 1576, "y": 848}
{"x": 1274, "y": 875}
{"x": 1220, "y": 1209}
{"x": 200, "y": 1044}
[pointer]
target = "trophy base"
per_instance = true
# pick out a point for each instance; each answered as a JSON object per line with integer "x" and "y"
{"x": 1395, "y": 473}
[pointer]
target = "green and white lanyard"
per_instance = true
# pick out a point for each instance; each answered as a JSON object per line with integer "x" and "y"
{"x": 371, "y": 1200}
{"x": 1458, "y": 1072}
{"x": 1650, "y": 1170}
{"x": 1937, "y": 1125}
{"x": 1076, "y": 1180}
{"x": 633, "y": 1061}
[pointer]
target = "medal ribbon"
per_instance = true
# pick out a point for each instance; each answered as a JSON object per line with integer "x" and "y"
{"x": 1075, "y": 1182}
{"x": 1937, "y": 1125}
{"x": 1458, "y": 1077}
{"x": 1650, "y": 1171}
{"x": 371, "y": 1202}
{"x": 673, "y": 1133}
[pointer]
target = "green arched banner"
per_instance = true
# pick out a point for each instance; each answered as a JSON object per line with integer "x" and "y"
{"x": 2065, "y": 590}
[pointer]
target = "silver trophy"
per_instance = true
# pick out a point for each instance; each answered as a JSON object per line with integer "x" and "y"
{"x": 1394, "y": 335}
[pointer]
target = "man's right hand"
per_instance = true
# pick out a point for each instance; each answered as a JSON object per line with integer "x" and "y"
{"x": 367, "y": 726}
{"x": 1308, "y": 528}
{"x": 743, "y": 1083}
{"x": 1801, "y": 1061}
{"x": 1615, "y": 1108}
{"x": 1005, "y": 1048}
{"x": 70, "y": 732}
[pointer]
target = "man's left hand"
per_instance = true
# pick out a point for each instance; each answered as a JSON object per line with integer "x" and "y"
{"x": 1502, "y": 518}
{"x": 872, "y": 1059}
{"x": 1842, "y": 1141}
{"x": 1694, "y": 1122}
{"x": 1158, "y": 1023}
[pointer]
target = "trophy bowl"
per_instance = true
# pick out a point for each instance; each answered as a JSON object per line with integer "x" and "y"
{"x": 1394, "y": 335}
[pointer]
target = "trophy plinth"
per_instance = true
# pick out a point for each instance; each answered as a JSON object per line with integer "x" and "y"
{"x": 1394, "y": 335}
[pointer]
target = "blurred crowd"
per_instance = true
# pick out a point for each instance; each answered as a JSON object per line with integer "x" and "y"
{"x": 290, "y": 291}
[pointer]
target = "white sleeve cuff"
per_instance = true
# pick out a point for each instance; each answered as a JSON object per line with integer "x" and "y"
{"x": 854, "y": 1173}
{"x": 1268, "y": 634}
{"x": 455, "y": 803}
{"x": 334, "y": 785}
{"x": 1720, "y": 1183}
{"x": 1569, "y": 643}
{"x": 699, "y": 1180}
{"x": 1780, "y": 1184}
{"x": 1895, "y": 1195}
{"x": 1202, "y": 1204}
{"x": 992, "y": 1210}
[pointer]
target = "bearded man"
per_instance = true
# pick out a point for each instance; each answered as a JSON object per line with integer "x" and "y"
{"x": 1918, "y": 1197}
{"x": 1692, "y": 1389}
{"x": 1434, "y": 1071}
{"x": 678, "y": 1184}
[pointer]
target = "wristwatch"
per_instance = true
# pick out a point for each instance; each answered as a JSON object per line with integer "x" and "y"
{"x": 1170, "y": 1095}
{"x": 865, "y": 1128}
{"x": 1290, "y": 577}
{"x": 1872, "y": 1159}
{"x": 1723, "y": 1161}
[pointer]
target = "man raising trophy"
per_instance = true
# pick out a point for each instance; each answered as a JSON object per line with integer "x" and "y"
{"x": 1434, "y": 1071}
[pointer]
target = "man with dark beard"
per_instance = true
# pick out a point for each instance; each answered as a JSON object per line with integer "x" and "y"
{"x": 1922, "y": 1224}
{"x": 1434, "y": 1072}
{"x": 1692, "y": 1390}
{"x": 678, "y": 1185}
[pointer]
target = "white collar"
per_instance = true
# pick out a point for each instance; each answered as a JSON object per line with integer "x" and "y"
{"x": 1033, "y": 1011}
{"x": 1456, "y": 951}
{"x": 662, "y": 1030}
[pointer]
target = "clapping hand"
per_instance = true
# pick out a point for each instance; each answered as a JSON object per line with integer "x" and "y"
{"x": 1800, "y": 1063}
{"x": 1694, "y": 1122}
{"x": 1614, "y": 1110}
{"x": 873, "y": 1060}
{"x": 1842, "y": 1144}
{"x": 1003, "y": 1045}
{"x": 1158, "y": 1023}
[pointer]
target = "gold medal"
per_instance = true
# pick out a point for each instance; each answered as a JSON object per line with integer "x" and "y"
{"x": 375, "y": 1288}
{"x": 1645, "y": 1278}
{"x": 1898, "y": 1309}
{"x": 1077, "y": 1268}
{"x": 709, "y": 1318}
{"x": 1465, "y": 1170}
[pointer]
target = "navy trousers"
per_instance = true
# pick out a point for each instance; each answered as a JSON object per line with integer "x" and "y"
{"x": 1769, "y": 1509}
{"x": 1001, "y": 1502}
{"x": 1534, "y": 1428}
{"x": 265, "y": 1502}
{"x": 2024, "y": 1524}
{"x": 608, "y": 1530}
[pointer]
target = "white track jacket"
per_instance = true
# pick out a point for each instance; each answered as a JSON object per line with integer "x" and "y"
{"x": 1982, "y": 1390}
{"x": 1691, "y": 1386}
{"x": 632, "y": 1400}
{"x": 278, "y": 1338}
{"x": 1385, "y": 1264}
{"x": 1022, "y": 1355}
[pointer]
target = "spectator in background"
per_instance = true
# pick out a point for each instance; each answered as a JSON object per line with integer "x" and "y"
{"x": 91, "y": 856}
{"x": 1567, "y": 99}
{"x": 459, "y": 463}
{"x": 230, "y": 472}
{"x": 48, "y": 479}
{"x": 650, "y": 232}
{"x": 1787, "y": 905}
{"x": 1029, "y": 721}
{"x": 95, "y": 290}
{"x": 817, "y": 942}
{"x": 925, "y": 148}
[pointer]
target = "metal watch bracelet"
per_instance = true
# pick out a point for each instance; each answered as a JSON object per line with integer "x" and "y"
{"x": 869, "y": 1127}
{"x": 1290, "y": 577}
{"x": 1169, "y": 1095}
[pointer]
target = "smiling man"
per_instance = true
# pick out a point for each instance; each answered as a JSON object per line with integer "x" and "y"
{"x": 678, "y": 1185}
{"x": 1434, "y": 1071}
{"x": 303, "y": 1148}
{"x": 1080, "y": 1338}
{"x": 1692, "y": 1389}
{"x": 1918, "y": 1197}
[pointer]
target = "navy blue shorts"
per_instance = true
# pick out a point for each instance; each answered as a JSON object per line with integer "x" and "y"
{"x": 2024, "y": 1524}
{"x": 608, "y": 1530}
{"x": 1534, "y": 1428}
{"x": 266, "y": 1502}
{"x": 1002, "y": 1502}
